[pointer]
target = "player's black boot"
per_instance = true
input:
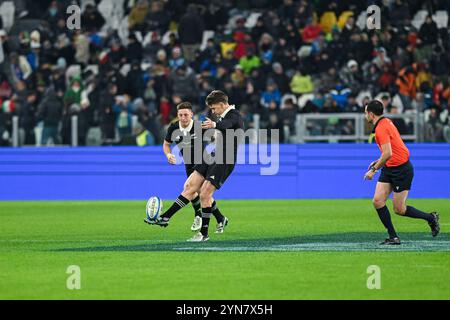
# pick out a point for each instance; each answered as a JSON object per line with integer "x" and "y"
{"x": 162, "y": 222}
{"x": 435, "y": 227}
{"x": 391, "y": 241}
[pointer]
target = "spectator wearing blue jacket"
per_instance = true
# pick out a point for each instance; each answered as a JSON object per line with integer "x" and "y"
{"x": 271, "y": 97}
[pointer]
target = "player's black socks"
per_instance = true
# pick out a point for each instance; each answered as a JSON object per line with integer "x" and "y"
{"x": 197, "y": 206}
{"x": 385, "y": 218}
{"x": 417, "y": 214}
{"x": 206, "y": 214}
{"x": 177, "y": 205}
{"x": 216, "y": 212}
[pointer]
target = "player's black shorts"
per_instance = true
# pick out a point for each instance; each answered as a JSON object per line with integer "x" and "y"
{"x": 189, "y": 169}
{"x": 400, "y": 177}
{"x": 217, "y": 174}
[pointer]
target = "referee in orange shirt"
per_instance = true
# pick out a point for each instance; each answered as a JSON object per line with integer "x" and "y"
{"x": 396, "y": 175}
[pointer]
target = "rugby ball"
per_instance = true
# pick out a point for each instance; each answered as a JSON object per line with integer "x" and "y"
{"x": 154, "y": 208}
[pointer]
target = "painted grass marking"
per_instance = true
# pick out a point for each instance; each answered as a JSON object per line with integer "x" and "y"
{"x": 417, "y": 246}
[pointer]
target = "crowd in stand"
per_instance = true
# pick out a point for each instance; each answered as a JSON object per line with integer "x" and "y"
{"x": 292, "y": 57}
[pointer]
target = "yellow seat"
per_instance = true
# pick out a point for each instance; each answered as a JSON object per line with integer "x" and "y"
{"x": 343, "y": 18}
{"x": 226, "y": 46}
{"x": 327, "y": 21}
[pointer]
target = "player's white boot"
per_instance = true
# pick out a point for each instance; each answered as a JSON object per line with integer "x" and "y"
{"x": 197, "y": 225}
{"x": 198, "y": 238}
{"x": 221, "y": 225}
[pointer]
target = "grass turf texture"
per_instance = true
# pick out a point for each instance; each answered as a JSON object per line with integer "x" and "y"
{"x": 297, "y": 249}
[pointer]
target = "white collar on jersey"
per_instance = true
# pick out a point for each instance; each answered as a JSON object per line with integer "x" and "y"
{"x": 227, "y": 110}
{"x": 187, "y": 129}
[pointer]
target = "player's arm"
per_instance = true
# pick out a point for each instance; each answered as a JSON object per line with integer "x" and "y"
{"x": 168, "y": 152}
{"x": 222, "y": 125}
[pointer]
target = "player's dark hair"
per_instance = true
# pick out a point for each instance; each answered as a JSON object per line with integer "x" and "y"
{"x": 376, "y": 107}
{"x": 216, "y": 96}
{"x": 184, "y": 105}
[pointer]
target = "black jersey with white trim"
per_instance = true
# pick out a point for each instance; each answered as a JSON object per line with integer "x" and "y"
{"x": 176, "y": 134}
{"x": 227, "y": 126}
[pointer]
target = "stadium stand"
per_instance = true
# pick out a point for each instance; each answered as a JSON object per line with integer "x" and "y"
{"x": 122, "y": 74}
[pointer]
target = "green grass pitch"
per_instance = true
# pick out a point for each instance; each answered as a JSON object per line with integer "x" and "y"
{"x": 272, "y": 249}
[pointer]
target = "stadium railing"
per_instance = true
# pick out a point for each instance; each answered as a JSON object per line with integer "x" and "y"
{"x": 330, "y": 127}
{"x": 349, "y": 127}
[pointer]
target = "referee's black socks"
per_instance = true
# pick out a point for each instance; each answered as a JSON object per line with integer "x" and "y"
{"x": 177, "y": 205}
{"x": 206, "y": 214}
{"x": 417, "y": 214}
{"x": 385, "y": 218}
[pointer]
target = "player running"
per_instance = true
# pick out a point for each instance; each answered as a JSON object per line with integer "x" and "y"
{"x": 175, "y": 133}
{"x": 396, "y": 174}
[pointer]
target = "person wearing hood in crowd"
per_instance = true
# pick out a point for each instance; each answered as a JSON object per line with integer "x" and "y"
{"x": 190, "y": 32}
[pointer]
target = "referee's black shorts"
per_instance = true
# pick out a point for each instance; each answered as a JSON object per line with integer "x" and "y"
{"x": 217, "y": 174}
{"x": 399, "y": 177}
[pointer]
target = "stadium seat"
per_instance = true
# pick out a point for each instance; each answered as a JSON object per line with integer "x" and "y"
{"x": 123, "y": 30}
{"x": 226, "y": 46}
{"x": 112, "y": 11}
{"x": 252, "y": 19}
{"x": 419, "y": 18}
{"x": 304, "y": 99}
{"x": 7, "y": 10}
{"x": 91, "y": 67}
{"x": 410, "y": 118}
{"x": 396, "y": 101}
{"x": 72, "y": 70}
{"x": 362, "y": 95}
{"x": 444, "y": 115}
{"x": 166, "y": 37}
{"x": 328, "y": 21}
{"x": 361, "y": 21}
{"x": 426, "y": 115}
{"x": 146, "y": 39}
{"x": 446, "y": 133}
{"x": 304, "y": 51}
{"x": 207, "y": 34}
{"x": 441, "y": 18}
{"x": 343, "y": 18}
{"x": 285, "y": 97}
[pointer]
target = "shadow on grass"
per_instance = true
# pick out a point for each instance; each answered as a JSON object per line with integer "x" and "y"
{"x": 353, "y": 241}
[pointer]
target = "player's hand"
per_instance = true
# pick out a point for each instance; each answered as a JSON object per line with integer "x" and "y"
{"x": 208, "y": 124}
{"x": 369, "y": 175}
{"x": 171, "y": 158}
